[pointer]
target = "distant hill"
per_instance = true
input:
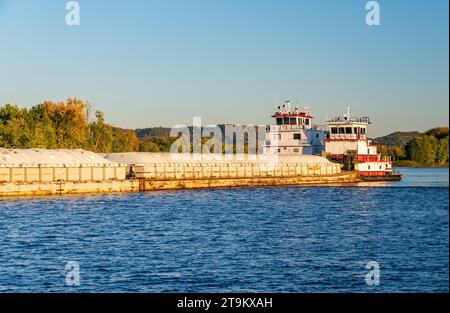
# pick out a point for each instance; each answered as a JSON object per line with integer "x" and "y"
{"x": 142, "y": 133}
{"x": 398, "y": 139}
{"x": 152, "y": 132}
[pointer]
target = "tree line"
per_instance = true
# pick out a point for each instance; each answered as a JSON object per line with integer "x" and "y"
{"x": 428, "y": 149}
{"x": 74, "y": 124}
{"x": 69, "y": 125}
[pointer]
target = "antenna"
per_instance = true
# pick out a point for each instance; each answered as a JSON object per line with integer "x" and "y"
{"x": 348, "y": 113}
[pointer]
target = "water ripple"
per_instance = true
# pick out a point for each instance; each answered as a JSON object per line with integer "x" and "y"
{"x": 293, "y": 239}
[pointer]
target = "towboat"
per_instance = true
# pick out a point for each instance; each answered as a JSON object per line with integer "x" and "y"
{"x": 346, "y": 143}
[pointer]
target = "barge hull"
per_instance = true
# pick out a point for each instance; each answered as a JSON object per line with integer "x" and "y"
{"x": 135, "y": 185}
{"x": 376, "y": 178}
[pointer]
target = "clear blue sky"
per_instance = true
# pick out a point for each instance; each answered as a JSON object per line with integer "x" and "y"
{"x": 158, "y": 63}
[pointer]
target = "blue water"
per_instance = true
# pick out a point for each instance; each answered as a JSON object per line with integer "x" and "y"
{"x": 421, "y": 177}
{"x": 288, "y": 239}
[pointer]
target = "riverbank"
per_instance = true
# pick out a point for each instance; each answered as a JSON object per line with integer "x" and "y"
{"x": 407, "y": 163}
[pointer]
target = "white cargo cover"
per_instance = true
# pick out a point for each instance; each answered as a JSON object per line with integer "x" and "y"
{"x": 51, "y": 158}
{"x": 144, "y": 158}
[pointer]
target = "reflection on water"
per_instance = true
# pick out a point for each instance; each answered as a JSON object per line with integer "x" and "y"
{"x": 415, "y": 177}
{"x": 430, "y": 177}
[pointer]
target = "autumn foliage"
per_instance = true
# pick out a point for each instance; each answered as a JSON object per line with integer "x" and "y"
{"x": 68, "y": 125}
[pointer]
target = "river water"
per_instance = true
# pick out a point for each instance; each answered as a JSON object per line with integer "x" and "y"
{"x": 281, "y": 239}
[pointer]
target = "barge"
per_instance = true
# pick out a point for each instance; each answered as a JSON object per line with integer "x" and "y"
{"x": 56, "y": 172}
{"x": 296, "y": 152}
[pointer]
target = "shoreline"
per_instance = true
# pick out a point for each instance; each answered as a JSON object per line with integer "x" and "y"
{"x": 418, "y": 165}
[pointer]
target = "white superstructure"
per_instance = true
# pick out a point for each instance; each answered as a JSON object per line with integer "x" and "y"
{"x": 294, "y": 133}
{"x": 346, "y": 137}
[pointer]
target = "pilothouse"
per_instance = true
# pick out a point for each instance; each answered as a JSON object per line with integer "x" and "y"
{"x": 294, "y": 133}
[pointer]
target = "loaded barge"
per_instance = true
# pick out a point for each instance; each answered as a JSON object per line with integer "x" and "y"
{"x": 296, "y": 152}
{"x": 48, "y": 172}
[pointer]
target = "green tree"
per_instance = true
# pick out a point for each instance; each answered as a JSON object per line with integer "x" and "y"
{"x": 442, "y": 151}
{"x": 14, "y": 128}
{"x": 438, "y": 132}
{"x": 124, "y": 140}
{"x": 423, "y": 149}
{"x": 148, "y": 145}
{"x": 394, "y": 152}
{"x": 68, "y": 120}
{"x": 397, "y": 153}
{"x": 100, "y": 135}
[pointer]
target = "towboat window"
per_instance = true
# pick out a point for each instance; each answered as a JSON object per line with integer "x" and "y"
{"x": 279, "y": 121}
{"x": 348, "y": 130}
{"x": 297, "y": 136}
{"x": 363, "y": 130}
{"x": 286, "y": 121}
{"x": 295, "y": 150}
{"x": 341, "y": 130}
{"x": 307, "y": 121}
{"x": 293, "y": 121}
{"x": 355, "y": 130}
{"x": 334, "y": 130}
